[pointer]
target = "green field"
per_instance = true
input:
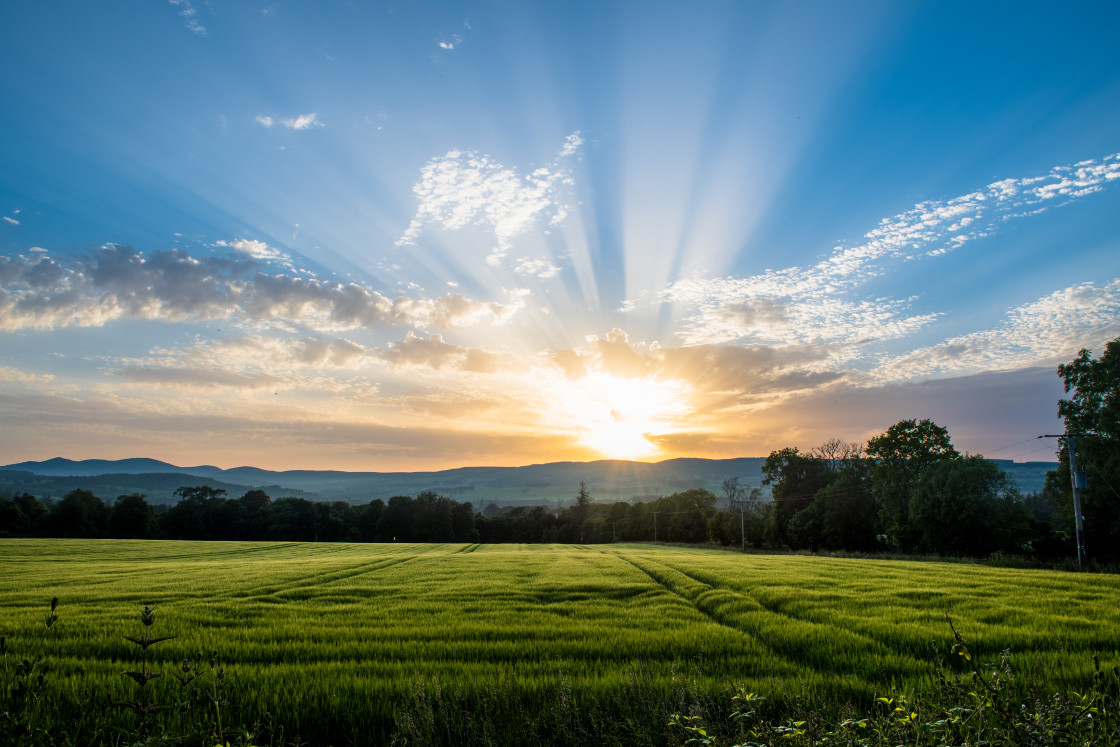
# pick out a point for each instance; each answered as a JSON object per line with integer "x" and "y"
{"x": 351, "y": 643}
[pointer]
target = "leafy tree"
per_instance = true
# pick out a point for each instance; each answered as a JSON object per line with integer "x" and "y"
{"x": 132, "y": 517}
{"x": 35, "y": 513}
{"x": 684, "y": 516}
{"x": 255, "y": 505}
{"x": 395, "y": 524}
{"x": 899, "y": 457}
{"x": 12, "y": 521}
{"x": 967, "y": 506}
{"x": 367, "y": 518}
{"x": 80, "y": 513}
{"x": 293, "y": 519}
{"x": 794, "y": 478}
{"x": 196, "y": 515}
{"x": 1093, "y": 410}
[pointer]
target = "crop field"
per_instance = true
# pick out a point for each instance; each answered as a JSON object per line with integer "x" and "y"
{"x": 344, "y": 643}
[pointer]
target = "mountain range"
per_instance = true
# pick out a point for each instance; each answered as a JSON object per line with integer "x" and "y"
{"x": 557, "y": 482}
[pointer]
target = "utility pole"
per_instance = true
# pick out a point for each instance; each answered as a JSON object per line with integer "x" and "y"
{"x": 1079, "y": 482}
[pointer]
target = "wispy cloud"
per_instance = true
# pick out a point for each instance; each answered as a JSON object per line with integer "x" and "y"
{"x": 121, "y": 283}
{"x": 1045, "y": 332}
{"x": 11, "y": 221}
{"x": 189, "y": 15}
{"x": 299, "y": 122}
{"x": 462, "y": 189}
{"x": 819, "y": 303}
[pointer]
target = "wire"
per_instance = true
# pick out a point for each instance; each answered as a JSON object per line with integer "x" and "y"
{"x": 1009, "y": 446}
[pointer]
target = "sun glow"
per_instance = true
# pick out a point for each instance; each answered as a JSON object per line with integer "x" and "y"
{"x": 617, "y": 417}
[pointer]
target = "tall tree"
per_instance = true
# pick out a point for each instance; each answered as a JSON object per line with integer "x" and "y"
{"x": 794, "y": 479}
{"x": 899, "y": 457}
{"x": 80, "y": 513}
{"x": 1093, "y": 411}
{"x": 967, "y": 506}
{"x": 132, "y": 517}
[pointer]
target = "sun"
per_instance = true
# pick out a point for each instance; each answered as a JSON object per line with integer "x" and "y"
{"x": 618, "y": 417}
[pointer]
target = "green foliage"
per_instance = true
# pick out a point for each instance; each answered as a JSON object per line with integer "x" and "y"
{"x": 899, "y": 457}
{"x": 1093, "y": 410}
{"x": 967, "y": 506}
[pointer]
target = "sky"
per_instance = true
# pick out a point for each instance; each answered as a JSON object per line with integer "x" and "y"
{"x": 420, "y": 235}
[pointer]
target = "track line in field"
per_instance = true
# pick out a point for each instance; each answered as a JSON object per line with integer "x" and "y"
{"x": 823, "y": 648}
{"x": 665, "y": 584}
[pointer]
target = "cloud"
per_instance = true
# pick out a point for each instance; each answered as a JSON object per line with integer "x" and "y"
{"x": 813, "y": 304}
{"x": 436, "y": 354}
{"x": 464, "y": 189}
{"x": 1047, "y": 331}
{"x": 11, "y": 221}
{"x": 14, "y": 375}
{"x": 194, "y": 377}
{"x": 188, "y": 13}
{"x": 250, "y": 362}
{"x": 539, "y": 268}
{"x": 173, "y": 286}
{"x": 450, "y": 42}
{"x": 255, "y": 249}
{"x": 302, "y": 122}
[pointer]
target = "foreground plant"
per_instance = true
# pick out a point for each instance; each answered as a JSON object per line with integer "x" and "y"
{"x": 987, "y": 707}
{"x": 22, "y": 685}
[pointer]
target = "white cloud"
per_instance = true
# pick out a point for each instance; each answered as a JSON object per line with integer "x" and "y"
{"x": 1045, "y": 332}
{"x": 255, "y": 249}
{"x": 450, "y": 42}
{"x": 12, "y": 221}
{"x": 463, "y": 189}
{"x": 190, "y": 16}
{"x": 815, "y": 303}
{"x": 172, "y": 286}
{"x": 303, "y": 122}
{"x": 540, "y": 268}
{"x": 264, "y": 121}
{"x": 14, "y": 375}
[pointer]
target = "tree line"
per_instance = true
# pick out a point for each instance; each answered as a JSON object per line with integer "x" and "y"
{"x": 906, "y": 490}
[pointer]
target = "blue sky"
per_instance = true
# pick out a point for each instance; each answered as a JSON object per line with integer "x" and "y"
{"x": 423, "y": 235}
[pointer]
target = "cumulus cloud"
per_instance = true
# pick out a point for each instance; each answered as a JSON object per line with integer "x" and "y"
{"x": 539, "y": 268}
{"x": 264, "y": 121}
{"x": 462, "y": 189}
{"x": 1044, "y": 332}
{"x": 302, "y": 122}
{"x": 14, "y": 375}
{"x": 121, "y": 283}
{"x": 722, "y": 376}
{"x": 812, "y": 304}
{"x": 435, "y": 353}
{"x": 255, "y": 249}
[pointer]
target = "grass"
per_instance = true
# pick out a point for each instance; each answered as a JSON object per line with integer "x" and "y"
{"x": 358, "y": 644}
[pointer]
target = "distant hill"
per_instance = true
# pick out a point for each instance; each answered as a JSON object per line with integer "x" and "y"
{"x": 555, "y": 483}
